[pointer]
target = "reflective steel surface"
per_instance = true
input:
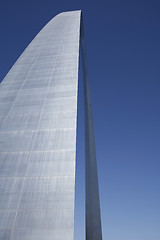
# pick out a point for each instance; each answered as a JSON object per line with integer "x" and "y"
{"x": 93, "y": 216}
{"x": 38, "y": 114}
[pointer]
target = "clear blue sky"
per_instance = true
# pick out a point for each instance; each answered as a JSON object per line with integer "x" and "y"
{"x": 123, "y": 48}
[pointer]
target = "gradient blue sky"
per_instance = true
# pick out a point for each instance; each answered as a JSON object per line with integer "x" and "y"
{"x": 123, "y": 49}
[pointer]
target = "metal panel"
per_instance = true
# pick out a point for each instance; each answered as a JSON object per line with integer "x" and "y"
{"x": 93, "y": 218}
{"x": 38, "y": 112}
